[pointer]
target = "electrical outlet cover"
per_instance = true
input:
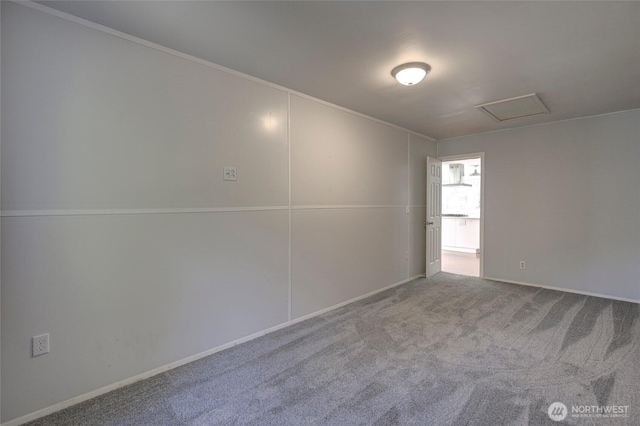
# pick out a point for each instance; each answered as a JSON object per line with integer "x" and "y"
{"x": 40, "y": 345}
{"x": 229, "y": 173}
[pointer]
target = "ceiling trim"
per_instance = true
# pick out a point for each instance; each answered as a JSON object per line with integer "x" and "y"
{"x": 137, "y": 40}
{"x": 506, "y": 129}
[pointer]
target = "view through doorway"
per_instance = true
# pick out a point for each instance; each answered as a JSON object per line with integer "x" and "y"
{"x": 462, "y": 215}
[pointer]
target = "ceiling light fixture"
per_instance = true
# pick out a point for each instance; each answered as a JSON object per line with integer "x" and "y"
{"x": 410, "y": 73}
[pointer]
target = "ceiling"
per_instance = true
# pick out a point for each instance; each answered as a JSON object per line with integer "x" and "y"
{"x": 581, "y": 58}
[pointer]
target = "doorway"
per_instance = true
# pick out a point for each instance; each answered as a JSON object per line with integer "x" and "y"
{"x": 462, "y": 214}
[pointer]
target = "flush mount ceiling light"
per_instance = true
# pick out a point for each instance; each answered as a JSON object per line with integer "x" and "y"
{"x": 410, "y": 73}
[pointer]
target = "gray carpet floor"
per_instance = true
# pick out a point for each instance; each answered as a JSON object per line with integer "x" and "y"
{"x": 449, "y": 350}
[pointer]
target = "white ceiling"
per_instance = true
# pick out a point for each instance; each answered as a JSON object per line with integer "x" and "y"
{"x": 581, "y": 58}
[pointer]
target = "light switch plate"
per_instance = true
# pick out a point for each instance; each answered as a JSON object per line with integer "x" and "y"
{"x": 229, "y": 173}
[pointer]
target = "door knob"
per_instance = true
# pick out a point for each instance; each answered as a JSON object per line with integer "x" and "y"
{"x": 428, "y": 223}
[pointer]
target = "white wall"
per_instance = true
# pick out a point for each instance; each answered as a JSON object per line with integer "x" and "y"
{"x": 119, "y": 236}
{"x": 349, "y": 194}
{"x": 565, "y": 198}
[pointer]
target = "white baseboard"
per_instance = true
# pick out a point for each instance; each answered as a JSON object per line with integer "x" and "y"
{"x": 364, "y": 296}
{"x": 568, "y": 290}
{"x": 81, "y": 398}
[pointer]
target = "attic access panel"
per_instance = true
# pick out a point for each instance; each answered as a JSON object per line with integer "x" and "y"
{"x": 518, "y": 107}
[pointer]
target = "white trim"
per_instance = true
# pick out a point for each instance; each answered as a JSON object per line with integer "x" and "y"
{"x": 110, "y": 31}
{"x": 465, "y": 156}
{"x": 103, "y": 212}
{"x": 568, "y": 290}
{"x": 355, "y": 299}
{"x": 289, "y": 266}
{"x": 84, "y": 397}
{"x": 107, "y": 212}
{"x": 408, "y": 207}
{"x": 349, "y": 206}
{"x": 482, "y": 183}
{"x": 0, "y": 233}
{"x": 533, "y": 125}
{"x": 483, "y": 180}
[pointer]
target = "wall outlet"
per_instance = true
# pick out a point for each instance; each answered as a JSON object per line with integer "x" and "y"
{"x": 523, "y": 264}
{"x": 229, "y": 173}
{"x": 40, "y": 345}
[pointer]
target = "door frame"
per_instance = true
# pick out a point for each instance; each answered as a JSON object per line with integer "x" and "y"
{"x": 483, "y": 169}
{"x": 437, "y": 217}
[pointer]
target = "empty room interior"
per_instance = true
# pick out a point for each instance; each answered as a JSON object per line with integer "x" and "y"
{"x": 340, "y": 213}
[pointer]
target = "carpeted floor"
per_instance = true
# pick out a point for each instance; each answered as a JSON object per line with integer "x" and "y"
{"x": 450, "y": 350}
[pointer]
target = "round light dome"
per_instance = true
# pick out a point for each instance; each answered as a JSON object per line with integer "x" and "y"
{"x": 411, "y": 73}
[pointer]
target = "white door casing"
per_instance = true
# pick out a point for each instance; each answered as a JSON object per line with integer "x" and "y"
{"x": 434, "y": 216}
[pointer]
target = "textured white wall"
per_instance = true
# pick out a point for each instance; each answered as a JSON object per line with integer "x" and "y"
{"x": 106, "y": 124}
{"x": 338, "y": 158}
{"x": 349, "y": 175}
{"x": 565, "y": 198}
{"x": 113, "y": 236}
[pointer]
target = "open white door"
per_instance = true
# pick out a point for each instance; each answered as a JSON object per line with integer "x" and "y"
{"x": 434, "y": 215}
